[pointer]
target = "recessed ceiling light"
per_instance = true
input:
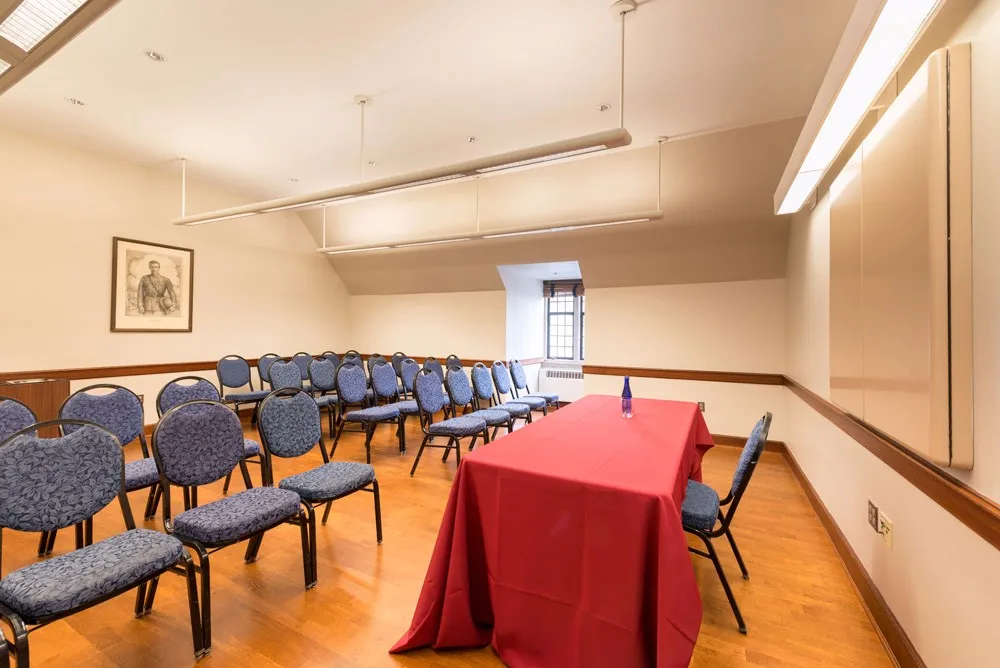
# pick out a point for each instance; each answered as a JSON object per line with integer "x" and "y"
{"x": 293, "y": 180}
{"x": 604, "y": 107}
{"x": 472, "y": 140}
{"x": 74, "y": 101}
{"x": 155, "y": 57}
{"x": 372, "y": 163}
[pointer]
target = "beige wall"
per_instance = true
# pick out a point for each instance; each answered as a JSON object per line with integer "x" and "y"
{"x": 258, "y": 286}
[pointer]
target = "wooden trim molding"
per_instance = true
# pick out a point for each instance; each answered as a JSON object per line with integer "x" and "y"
{"x": 969, "y": 507}
{"x": 89, "y": 373}
{"x": 893, "y": 636}
{"x": 740, "y": 441}
{"x": 687, "y": 374}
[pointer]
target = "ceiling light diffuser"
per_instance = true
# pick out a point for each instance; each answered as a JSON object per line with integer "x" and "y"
{"x": 33, "y": 20}
{"x": 894, "y": 31}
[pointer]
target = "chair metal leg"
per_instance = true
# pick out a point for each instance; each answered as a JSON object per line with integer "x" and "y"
{"x": 725, "y": 583}
{"x": 197, "y": 632}
{"x": 253, "y": 547}
{"x": 378, "y": 512}
{"x": 458, "y": 451}
{"x": 52, "y": 540}
{"x": 369, "y": 434}
{"x": 19, "y": 644}
{"x": 206, "y": 599}
{"x": 151, "y": 595}
{"x": 88, "y": 531}
{"x": 416, "y": 461}
{"x": 307, "y": 525}
{"x": 156, "y": 501}
{"x": 149, "y": 512}
{"x": 43, "y": 543}
{"x": 140, "y": 600}
{"x": 336, "y": 439}
{"x": 736, "y": 551}
{"x": 78, "y": 535}
{"x": 4, "y": 653}
{"x": 326, "y": 513}
{"x": 225, "y": 485}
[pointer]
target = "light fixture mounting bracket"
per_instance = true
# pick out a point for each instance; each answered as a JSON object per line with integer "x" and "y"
{"x": 623, "y": 7}
{"x": 361, "y": 99}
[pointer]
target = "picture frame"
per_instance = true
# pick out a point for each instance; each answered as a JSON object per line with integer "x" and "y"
{"x": 152, "y": 287}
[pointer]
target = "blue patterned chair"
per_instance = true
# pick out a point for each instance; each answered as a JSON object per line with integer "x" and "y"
{"x": 198, "y": 443}
{"x": 73, "y": 477}
{"x": 452, "y": 361}
{"x": 351, "y": 357}
{"x": 302, "y": 361}
{"x": 702, "y": 510}
{"x": 177, "y": 392}
{"x": 14, "y": 416}
{"x": 434, "y": 364}
{"x": 284, "y": 375}
{"x": 482, "y": 383}
{"x": 370, "y": 363}
{"x": 430, "y": 399}
{"x": 463, "y": 398}
{"x": 264, "y": 368}
{"x": 351, "y": 390}
{"x": 333, "y": 357}
{"x": 504, "y": 387}
{"x": 234, "y": 374}
{"x": 408, "y": 370}
{"x": 397, "y": 365}
{"x": 521, "y": 389}
{"x": 120, "y": 412}
{"x": 323, "y": 378}
{"x": 290, "y": 427}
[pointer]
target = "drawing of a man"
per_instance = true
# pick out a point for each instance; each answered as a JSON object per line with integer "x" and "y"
{"x": 156, "y": 293}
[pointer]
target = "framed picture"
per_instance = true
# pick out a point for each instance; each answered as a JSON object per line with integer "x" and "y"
{"x": 151, "y": 287}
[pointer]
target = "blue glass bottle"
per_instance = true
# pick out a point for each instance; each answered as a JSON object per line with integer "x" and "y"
{"x": 626, "y": 400}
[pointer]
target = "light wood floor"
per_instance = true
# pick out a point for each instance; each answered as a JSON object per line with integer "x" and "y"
{"x": 799, "y": 604}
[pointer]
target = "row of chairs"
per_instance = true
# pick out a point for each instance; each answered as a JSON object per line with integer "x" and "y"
{"x": 48, "y": 484}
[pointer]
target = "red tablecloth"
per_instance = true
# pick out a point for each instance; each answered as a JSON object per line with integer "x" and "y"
{"x": 562, "y": 543}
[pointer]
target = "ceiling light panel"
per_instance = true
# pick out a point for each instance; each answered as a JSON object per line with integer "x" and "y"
{"x": 33, "y": 20}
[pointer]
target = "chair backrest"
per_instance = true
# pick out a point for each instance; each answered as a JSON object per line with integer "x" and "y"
{"x": 264, "y": 366}
{"x": 501, "y": 378}
{"x": 428, "y": 392}
{"x": 72, "y": 477}
{"x": 289, "y": 423}
{"x": 459, "y": 388}
{"x": 14, "y": 416}
{"x": 482, "y": 382}
{"x": 351, "y": 357}
{"x": 384, "y": 381}
{"x": 175, "y": 393}
{"x": 372, "y": 360}
{"x": 333, "y": 357}
{"x": 750, "y": 456}
{"x": 302, "y": 360}
{"x": 397, "y": 362}
{"x": 408, "y": 371}
{"x": 352, "y": 386}
{"x": 323, "y": 375}
{"x": 518, "y": 376}
{"x": 453, "y": 360}
{"x": 119, "y": 411}
{"x": 432, "y": 364}
{"x": 285, "y": 374}
{"x": 233, "y": 372}
{"x": 197, "y": 443}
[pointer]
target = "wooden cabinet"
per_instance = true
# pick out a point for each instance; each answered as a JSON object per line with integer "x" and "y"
{"x": 44, "y": 396}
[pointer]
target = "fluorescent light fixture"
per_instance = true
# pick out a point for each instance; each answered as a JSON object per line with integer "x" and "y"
{"x": 4, "y": 66}
{"x": 33, "y": 20}
{"x": 598, "y": 141}
{"x": 221, "y": 218}
{"x": 895, "y": 29}
{"x": 584, "y": 224}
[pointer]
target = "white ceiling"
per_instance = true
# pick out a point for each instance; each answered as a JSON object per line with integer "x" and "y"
{"x": 545, "y": 271}
{"x": 258, "y": 93}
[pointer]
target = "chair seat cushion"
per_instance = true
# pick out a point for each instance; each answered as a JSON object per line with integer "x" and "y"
{"x": 549, "y": 398}
{"x": 492, "y": 416}
{"x": 535, "y": 403}
{"x": 330, "y": 480}
{"x": 701, "y": 507}
{"x": 251, "y": 447}
{"x": 373, "y": 414}
{"x": 247, "y": 397}
{"x": 408, "y": 407}
{"x": 515, "y": 409}
{"x": 326, "y": 400}
{"x": 141, "y": 473}
{"x": 66, "y": 582}
{"x": 237, "y": 516}
{"x": 459, "y": 426}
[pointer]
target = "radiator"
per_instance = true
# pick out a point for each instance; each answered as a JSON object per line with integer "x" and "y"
{"x": 567, "y": 383}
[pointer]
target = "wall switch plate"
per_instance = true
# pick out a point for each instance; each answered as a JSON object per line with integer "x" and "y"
{"x": 885, "y": 528}
{"x": 701, "y": 406}
{"x": 873, "y": 516}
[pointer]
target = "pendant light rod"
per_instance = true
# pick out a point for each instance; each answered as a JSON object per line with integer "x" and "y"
{"x": 324, "y": 226}
{"x": 621, "y": 9}
{"x": 477, "y": 203}
{"x": 183, "y": 186}
{"x": 660, "y": 141}
{"x": 361, "y": 101}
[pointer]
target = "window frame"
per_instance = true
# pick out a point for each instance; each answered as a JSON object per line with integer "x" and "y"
{"x": 576, "y": 345}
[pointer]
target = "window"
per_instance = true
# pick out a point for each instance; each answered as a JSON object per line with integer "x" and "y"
{"x": 564, "y": 310}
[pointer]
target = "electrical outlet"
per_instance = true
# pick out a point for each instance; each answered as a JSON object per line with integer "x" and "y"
{"x": 701, "y": 406}
{"x": 885, "y": 528}
{"x": 873, "y": 516}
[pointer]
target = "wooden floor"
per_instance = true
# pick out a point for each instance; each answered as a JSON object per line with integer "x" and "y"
{"x": 799, "y": 605}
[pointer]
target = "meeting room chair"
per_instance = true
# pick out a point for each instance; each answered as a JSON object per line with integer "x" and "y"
{"x": 302, "y": 361}
{"x": 198, "y": 443}
{"x": 702, "y": 510}
{"x": 504, "y": 387}
{"x": 351, "y": 357}
{"x": 351, "y": 390}
{"x": 397, "y": 365}
{"x": 74, "y": 476}
{"x": 233, "y": 372}
{"x": 284, "y": 375}
{"x": 486, "y": 396}
{"x": 323, "y": 378}
{"x": 408, "y": 371}
{"x": 430, "y": 399}
{"x": 290, "y": 427}
{"x": 370, "y": 363}
{"x": 192, "y": 388}
{"x": 434, "y": 364}
{"x": 120, "y": 412}
{"x": 452, "y": 360}
{"x": 264, "y": 368}
{"x": 333, "y": 357}
{"x": 521, "y": 389}
{"x": 14, "y": 416}
{"x": 463, "y": 398}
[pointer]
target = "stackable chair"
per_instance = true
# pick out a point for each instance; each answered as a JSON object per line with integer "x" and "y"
{"x": 302, "y": 361}
{"x": 452, "y": 360}
{"x": 486, "y": 397}
{"x": 74, "y": 476}
{"x": 282, "y": 375}
{"x": 408, "y": 370}
{"x": 14, "y": 416}
{"x": 352, "y": 357}
{"x": 323, "y": 378}
{"x": 351, "y": 390}
{"x": 430, "y": 399}
{"x": 434, "y": 364}
{"x": 397, "y": 365}
{"x": 177, "y": 391}
{"x": 234, "y": 374}
{"x": 463, "y": 399}
{"x": 290, "y": 427}
{"x": 198, "y": 443}
{"x": 703, "y": 510}
{"x": 370, "y": 363}
{"x": 333, "y": 357}
{"x": 521, "y": 389}
{"x": 504, "y": 387}
{"x": 120, "y": 412}
{"x": 264, "y": 368}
